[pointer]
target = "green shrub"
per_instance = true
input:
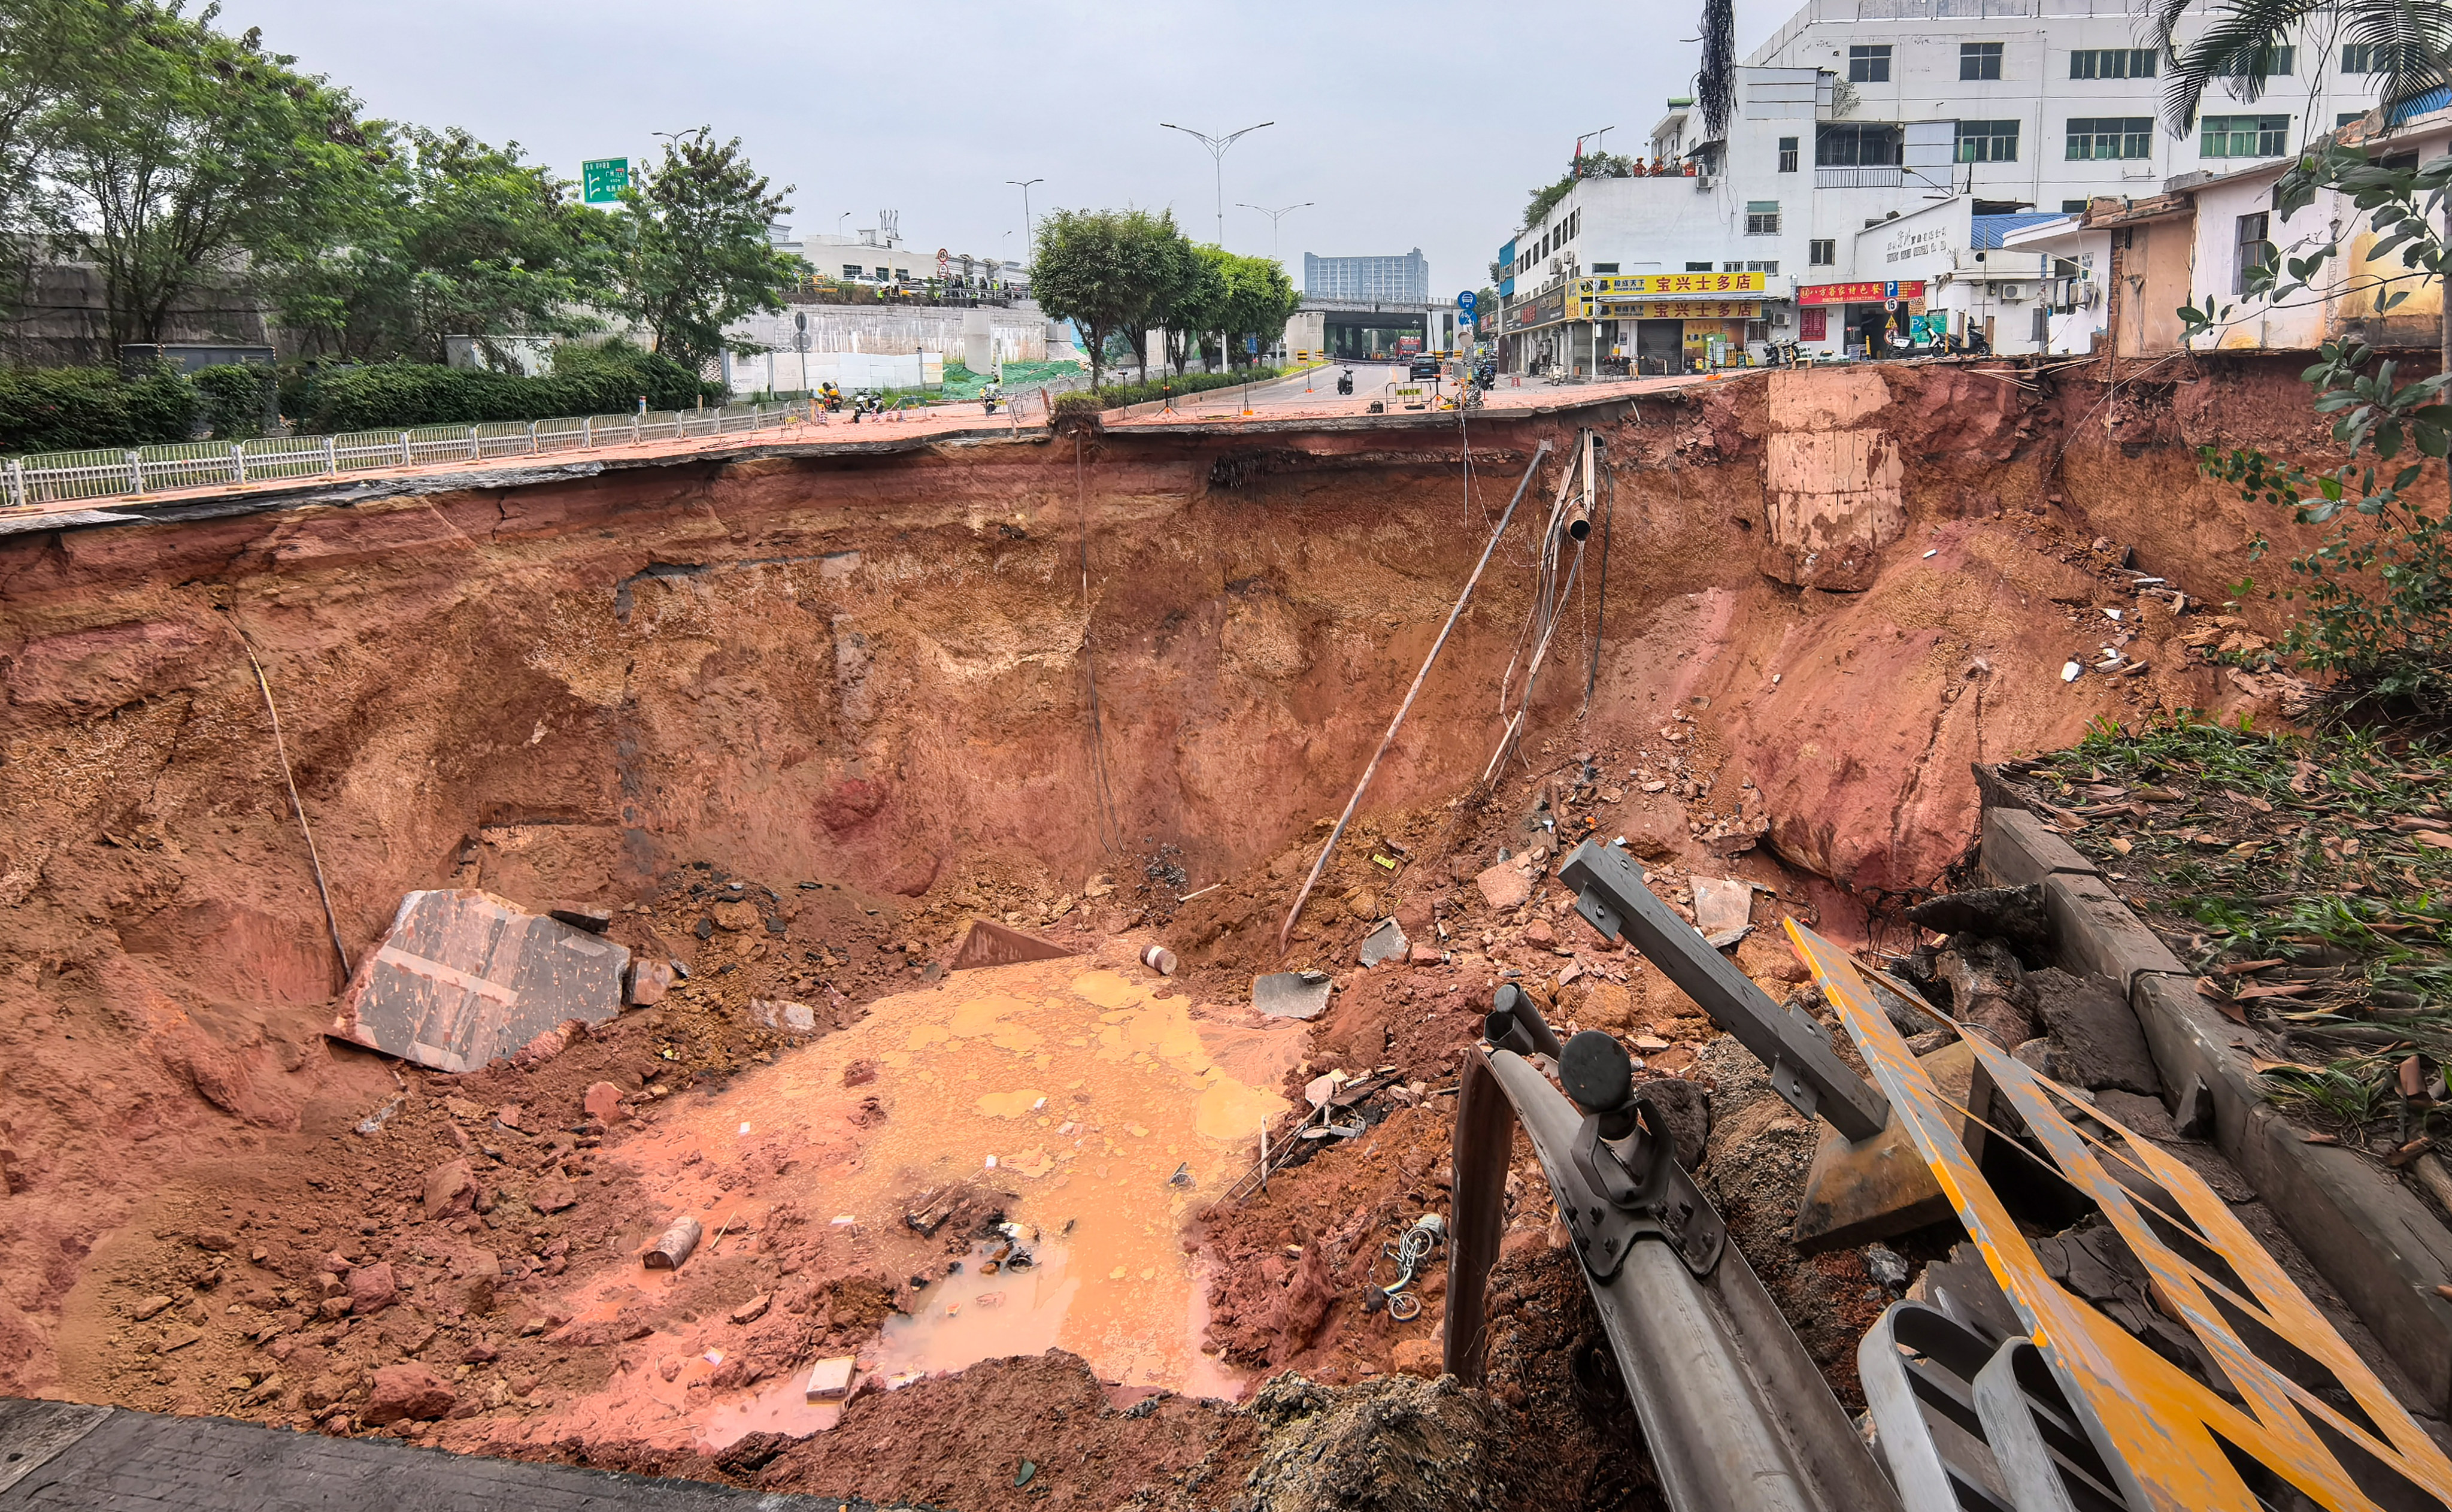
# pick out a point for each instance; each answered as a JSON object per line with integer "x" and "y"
{"x": 231, "y": 398}
{"x": 585, "y": 381}
{"x": 81, "y": 408}
{"x": 1114, "y": 396}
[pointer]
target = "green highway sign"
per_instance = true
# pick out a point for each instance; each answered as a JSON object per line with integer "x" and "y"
{"x": 603, "y": 179}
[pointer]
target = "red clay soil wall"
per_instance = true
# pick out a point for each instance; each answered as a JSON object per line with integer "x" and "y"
{"x": 873, "y": 672}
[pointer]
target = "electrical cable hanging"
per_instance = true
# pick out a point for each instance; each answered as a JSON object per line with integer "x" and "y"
{"x": 281, "y": 749}
{"x": 1549, "y": 594}
{"x": 1600, "y": 611}
{"x": 1103, "y": 797}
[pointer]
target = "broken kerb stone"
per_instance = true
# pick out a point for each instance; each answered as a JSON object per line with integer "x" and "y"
{"x": 463, "y": 978}
{"x": 1386, "y": 942}
{"x": 1291, "y": 994}
{"x": 990, "y": 943}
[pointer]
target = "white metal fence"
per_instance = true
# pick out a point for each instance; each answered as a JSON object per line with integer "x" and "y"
{"x": 69, "y": 477}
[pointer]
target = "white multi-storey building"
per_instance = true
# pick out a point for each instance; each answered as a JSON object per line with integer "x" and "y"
{"x": 1859, "y": 112}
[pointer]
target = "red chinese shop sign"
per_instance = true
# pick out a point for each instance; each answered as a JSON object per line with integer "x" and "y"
{"x": 1872, "y": 293}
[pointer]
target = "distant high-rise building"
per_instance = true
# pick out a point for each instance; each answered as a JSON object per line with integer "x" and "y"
{"x": 1380, "y": 280}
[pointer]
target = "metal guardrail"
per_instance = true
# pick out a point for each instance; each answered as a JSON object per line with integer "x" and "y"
{"x": 69, "y": 477}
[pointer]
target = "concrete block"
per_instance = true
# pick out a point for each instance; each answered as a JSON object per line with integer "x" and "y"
{"x": 1881, "y": 1186}
{"x": 2019, "y": 849}
{"x": 990, "y": 943}
{"x": 2099, "y": 936}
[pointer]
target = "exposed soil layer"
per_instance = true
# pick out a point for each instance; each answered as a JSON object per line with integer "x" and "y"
{"x": 862, "y": 691}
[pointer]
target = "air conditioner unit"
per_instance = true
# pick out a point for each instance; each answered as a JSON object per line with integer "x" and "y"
{"x": 1557, "y": 264}
{"x": 2011, "y": 290}
{"x": 2090, "y": 296}
{"x": 1779, "y": 317}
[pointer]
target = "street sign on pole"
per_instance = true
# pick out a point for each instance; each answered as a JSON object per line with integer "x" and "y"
{"x": 1466, "y": 300}
{"x": 1891, "y": 290}
{"x": 603, "y": 179}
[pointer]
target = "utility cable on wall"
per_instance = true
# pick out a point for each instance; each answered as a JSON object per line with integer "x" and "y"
{"x": 281, "y": 749}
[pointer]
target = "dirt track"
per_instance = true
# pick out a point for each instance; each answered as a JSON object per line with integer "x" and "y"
{"x": 872, "y": 675}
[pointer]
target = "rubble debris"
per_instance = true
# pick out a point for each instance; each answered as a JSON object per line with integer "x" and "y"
{"x": 2095, "y": 1032}
{"x": 830, "y": 1380}
{"x": 1385, "y": 942}
{"x": 1505, "y": 885}
{"x": 586, "y": 916}
{"x": 2015, "y": 914}
{"x": 990, "y": 943}
{"x": 602, "y": 1103}
{"x": 783, "y": 1017}
{"x": 463, "y": 978}
{"x": 409, "y": 1391}
{"x": 1988, "y": 989}
{"x": 646, "y": 983}
{"x": 1722, "y": 906}
{"x": 669, "y": 1252}
{"x": 1291, "y": 994}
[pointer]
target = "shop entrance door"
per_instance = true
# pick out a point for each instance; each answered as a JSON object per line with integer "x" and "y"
{"x": 1660, "y": 346}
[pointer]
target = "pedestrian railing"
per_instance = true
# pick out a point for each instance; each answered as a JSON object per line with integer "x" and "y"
{"x": 69, "y": 477}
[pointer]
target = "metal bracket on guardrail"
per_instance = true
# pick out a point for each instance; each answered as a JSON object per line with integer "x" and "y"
{"x": 1805, "y": 1070}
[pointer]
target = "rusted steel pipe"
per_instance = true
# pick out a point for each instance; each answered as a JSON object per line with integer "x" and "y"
{"x": 668, "y": 1252}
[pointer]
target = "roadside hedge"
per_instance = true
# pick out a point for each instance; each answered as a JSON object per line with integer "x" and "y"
{"x": 585, "y": 381}
{"x": 1114, "y": 396}
{"x": 83, "y": 409}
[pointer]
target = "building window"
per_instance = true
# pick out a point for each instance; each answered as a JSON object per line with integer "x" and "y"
{"x": 1988, "y": 141}
{"x": 2345, "y": 118}
{"x": 1822, "y": 253}
{"x": 2368, "y": 57}
{"x": 2072, "y": 207}
{"x": 885, "y": 275}
{"x": 1979, "y": 60}
{"x": 2254, "y": 251}
{"x": 1869, "y": 65}
{"x": 2112, "y": 63}
{"x": 1763, "y": 265}
{"x": 1761, "y": 217}
{"x": 851, "y": 269}
{"x": 2245, "y": 136}
{"x": 1787, "y": 154}
{"x": 2092, "y": 136}
{"x": 1605, "y": 268}
{"x": 1698, "y": 268}
{"x": 1858, "y": 144}
{"x": 2277, "y": 62}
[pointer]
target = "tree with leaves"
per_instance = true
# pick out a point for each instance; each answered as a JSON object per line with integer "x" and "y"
{"x": 44, "y": 44}
{"x": 1109, "y": 272}
{"x": 2379, "y": 585}
{"x": 462, "y": 238}
{"x": 694, "y": 255}
{"x": 1199, "y": 307}
{"x": 1259, "y": 300}
{"x": 181, "y": 156}
{"x": 1173, "y": 270}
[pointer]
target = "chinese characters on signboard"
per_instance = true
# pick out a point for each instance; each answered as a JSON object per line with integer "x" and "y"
{"x": 1656, "y": 285}
{"x": 1670, "y": 309}
{"x": 1867, "y": 294}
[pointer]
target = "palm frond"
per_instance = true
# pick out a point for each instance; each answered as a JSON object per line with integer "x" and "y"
{"x": 2414, "y": 39}
{"x": 2235, "y": 49}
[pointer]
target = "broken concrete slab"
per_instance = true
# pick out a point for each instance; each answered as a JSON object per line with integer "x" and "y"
{"x": 990, "y": 943}
{"x": 830, "y": 1380}
{"x": 2096, "y": 1031}
{"x": 1386, "y": 942}
{"x": 1722, "y": 904}
{"x": 1505, "y": 885}
{"x": 463, "y": 978}
{"x": 1291, "y": 994}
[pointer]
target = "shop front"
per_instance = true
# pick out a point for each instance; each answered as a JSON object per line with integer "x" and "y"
{"x": 1662, "y": 323}
{"x": 1862, "y": 319}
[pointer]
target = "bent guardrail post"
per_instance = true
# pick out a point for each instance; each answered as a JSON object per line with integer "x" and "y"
{"x": 1732, "y": 1410}
{"x": 1805, "y": 1070}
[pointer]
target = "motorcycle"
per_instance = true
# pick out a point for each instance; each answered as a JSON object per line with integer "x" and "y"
{"x": 1345, "y": 382}
{"x": 830, "y": 398}
{"x": 990, "y": 397}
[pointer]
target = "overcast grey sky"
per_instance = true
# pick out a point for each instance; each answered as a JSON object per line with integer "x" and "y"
{"x": 1411, "y": 124}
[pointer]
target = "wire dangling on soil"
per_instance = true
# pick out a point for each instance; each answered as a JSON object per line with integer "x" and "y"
{"x": 1101, "y": 791}
{"x": 281, "y": 749}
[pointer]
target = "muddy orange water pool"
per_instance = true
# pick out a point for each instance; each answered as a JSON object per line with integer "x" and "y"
{"x": 1112, "y": 1115}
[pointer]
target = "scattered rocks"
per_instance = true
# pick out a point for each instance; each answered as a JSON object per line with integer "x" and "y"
{"x": 450, "y": 1190}
{"x": 647, "y": 983}
{"x": 408, "y": 1392}
{"x": 1505, "y": 885}
{"x": 147, "y": 1309}
{"x": 783, "y": 1017}
{"x": 859, "y": 1073}
{"x": 586, "y": 916}
{"x": 372, "y": 1288}
{"x": 602, "y": 1103}
{"x": 1539, "y": 933}
{"x": 552, "y": 1195}
{"x": 755, "y": 1308}
{"x": 736, "y": 917}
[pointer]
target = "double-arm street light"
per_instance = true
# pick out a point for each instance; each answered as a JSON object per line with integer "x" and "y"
{"x": 1274, "y": 216}
{"x": 1028, "y": 237}
{"x": 1218, "y": 145}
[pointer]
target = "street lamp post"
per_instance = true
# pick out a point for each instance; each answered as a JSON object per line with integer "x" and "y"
{"x": 1274, "y": 216}
{"x": 1023, "y": 185}
{"x": 1218, "y": 145}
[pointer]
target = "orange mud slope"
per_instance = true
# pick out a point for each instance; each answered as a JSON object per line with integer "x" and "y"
{"x": 874, "y": 674}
